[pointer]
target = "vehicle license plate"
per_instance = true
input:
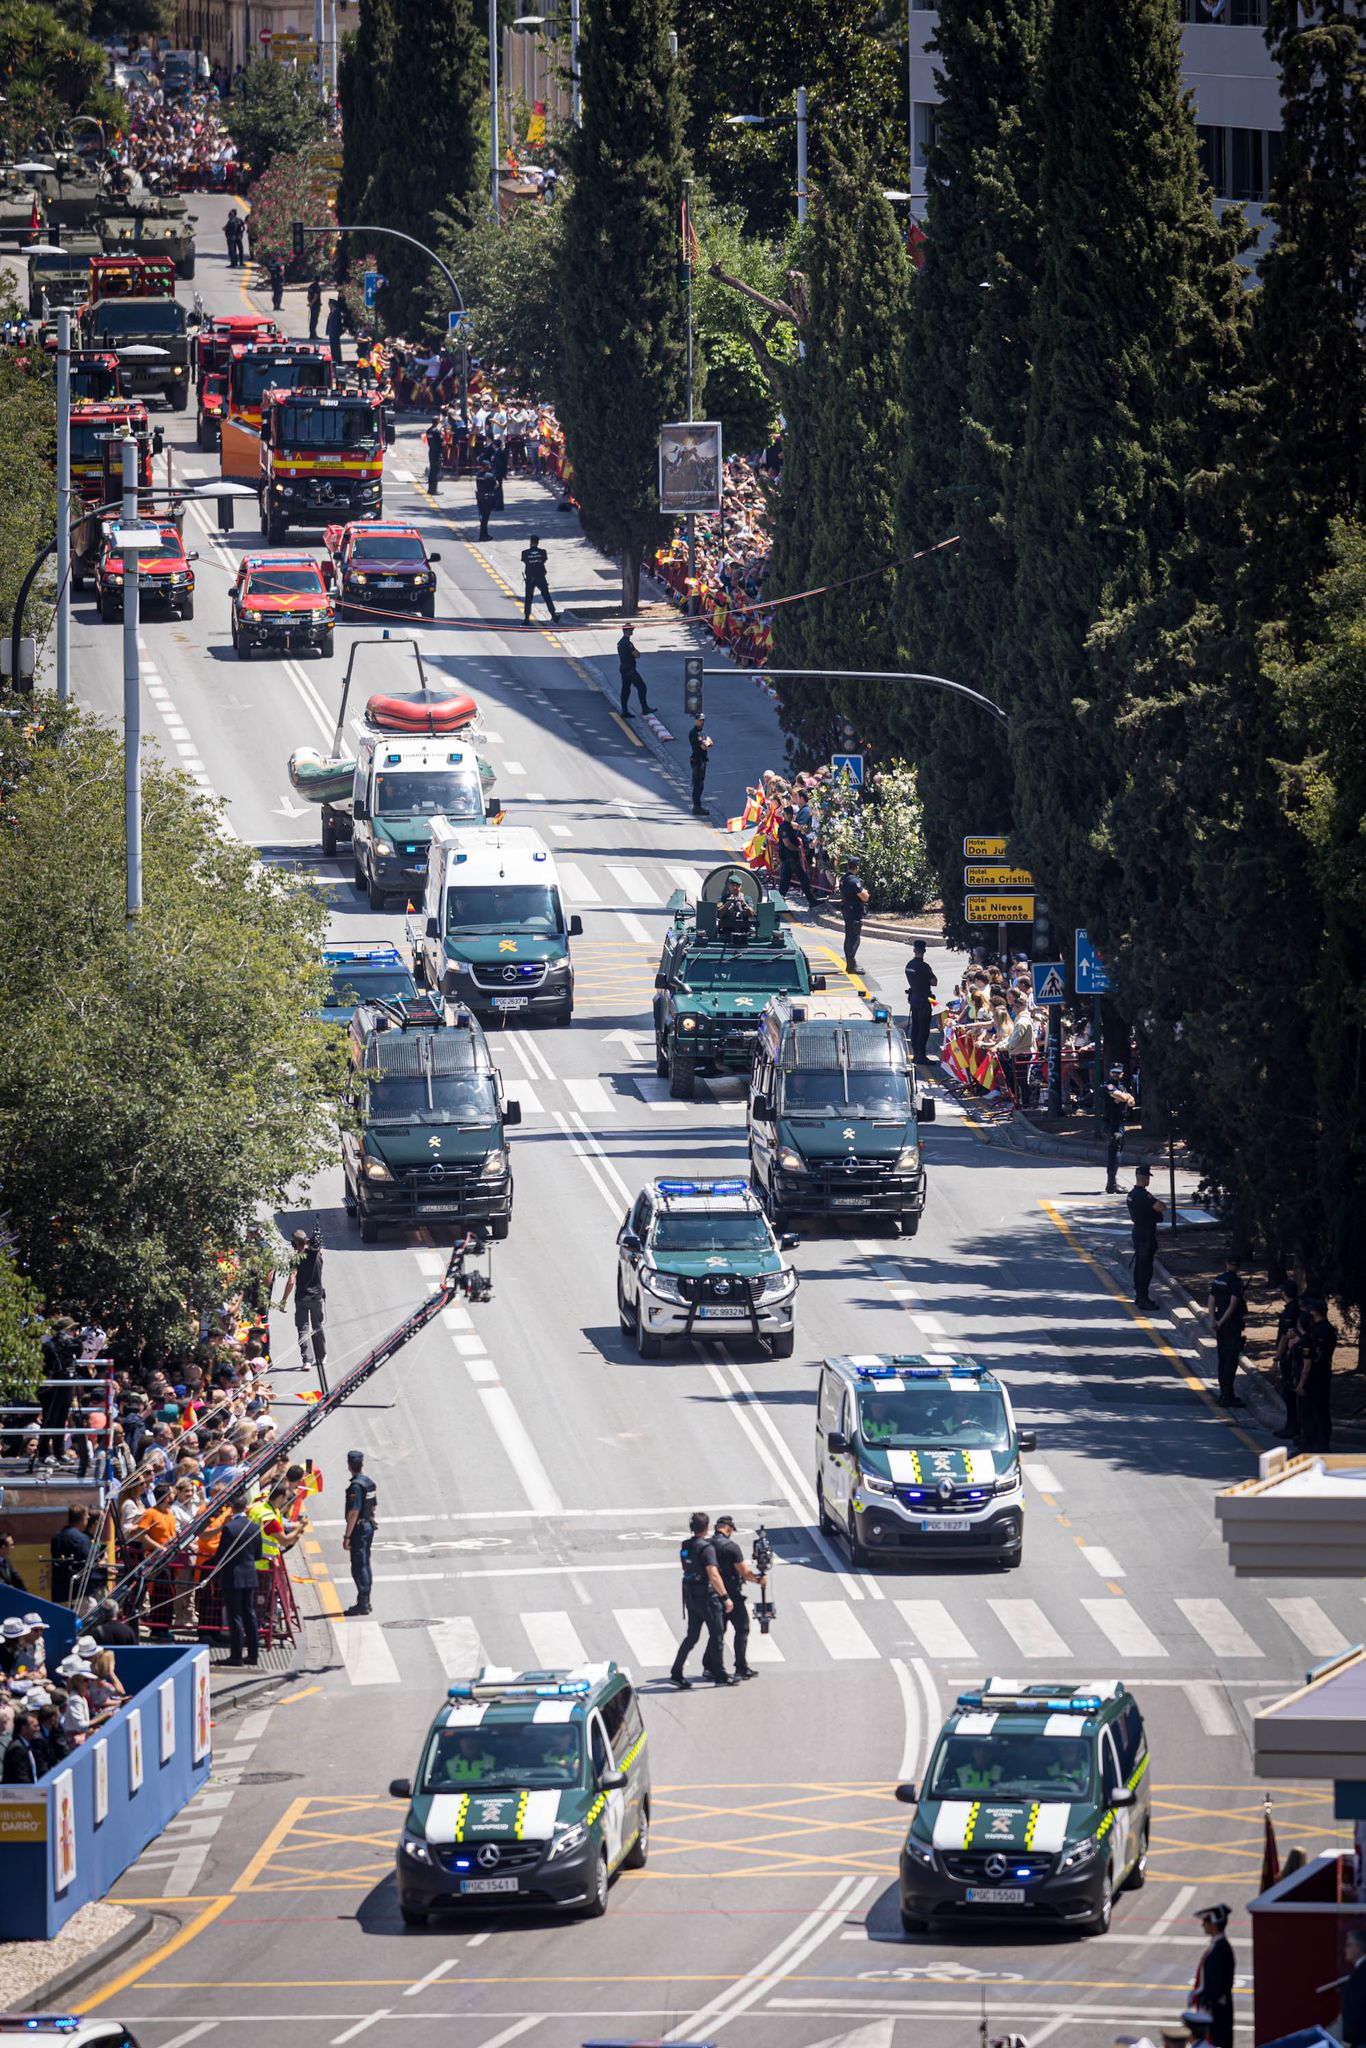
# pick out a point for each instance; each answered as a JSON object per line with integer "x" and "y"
{"x": 511, "y": 1002}
{"x": 488, "y": 1884}
{"x": 994, "y": 1896}
{"x": 711, "y": 1313}
{"x": 846, "y": 1201}
{"x": 438, "y": 1208}
{"x": 952, "y": 1525}
{"x": 390, "y": 582}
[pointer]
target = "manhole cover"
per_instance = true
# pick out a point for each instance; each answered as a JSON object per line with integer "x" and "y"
{"x": 411, "y": 1621}
{"x": 269, "y": 1777}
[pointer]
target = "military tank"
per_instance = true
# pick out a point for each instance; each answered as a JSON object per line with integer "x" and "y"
{"x": 72, "y": 193}
{"x": 139, "y": 222}
{"x": 17, "y": 196}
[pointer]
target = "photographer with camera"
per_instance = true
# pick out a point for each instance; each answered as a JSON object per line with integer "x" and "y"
{"x": 305, "y": 1282}
{"x": 705, "y": 1603}
{"x": 735, "y": 1574}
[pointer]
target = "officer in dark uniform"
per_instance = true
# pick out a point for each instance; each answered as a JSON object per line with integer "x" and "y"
{"x": 1145, "y": 1213}
{"x": 1227, "y": 1312}
{"x": 361, "y": 1500}
{"x": 1115, "y": 1106}
{"x": 240, "y": 1549}
{"x": 310, "y": 1299}
{"x": 1212, "y": 1991}
{"x": 486, "y": 498}
{"x": 734, "y": 917}
{"x": 921, "y": 982}
{"x": 436, "y": 455}
{"x": 853, "y": 903}
{"x": 534, "y": 560}
{"x": 699, "y": 747}
{"x": 277, "y": 283}
{"x": 631, "y": 678}
{"x": 1290, "y": 1355}
{"x": 1316, "y": 1377}
{"x": 705, "y": 1604}
{"x": 736, "y": 1573}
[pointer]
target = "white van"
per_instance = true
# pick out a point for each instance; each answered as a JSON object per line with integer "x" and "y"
{"x": 401, "y": 786}
{"x": 495, "y": 934}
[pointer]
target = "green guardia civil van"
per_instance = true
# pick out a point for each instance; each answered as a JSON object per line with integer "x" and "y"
{"x": 699, "y": 1258}
{"x": 717, "y": 969}
{"x": 533, "y": 1789}
{"x": 1036, "y": 1805}
{"x": 834, "y": 1120}
{"x": 919, "y": 1457}
{"x": 429, "y": 1142}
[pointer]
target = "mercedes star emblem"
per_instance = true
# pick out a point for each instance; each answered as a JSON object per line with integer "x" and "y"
{"x": 509, "y": 974}
{"x": 995, "y": 1866}
{"x": 488, "y": 1853}
{"x": 437, "y": 1172}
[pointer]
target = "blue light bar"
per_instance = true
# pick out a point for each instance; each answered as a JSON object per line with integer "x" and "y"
{"x": 459, "y": 1692}
{"x": 881, "y": 1012}
{"x": 540, "y": 856}
{"x": 677, "y": 1187}
{"x": 881, "y": 1372}
{"x": 920, "y": 1372}
{"x": 345, "y": 956}
{"x": 729, "y": 1187}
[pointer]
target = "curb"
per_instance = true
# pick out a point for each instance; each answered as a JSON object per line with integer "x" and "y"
{"x": 1019, "y": 1135}
{"x": 55, "y": 1989}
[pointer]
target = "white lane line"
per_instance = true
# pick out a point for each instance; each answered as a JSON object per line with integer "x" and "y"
{"x": 931, "y": 1325}
{"x": 533, "y": 796}
{"x": 554, "y": 1640}
{"x": 839, "y": 1629}
{"x": 482, "y": 1371}
{"x": 365, "y": 1653}
{"x": 455, "y": 1317}
{"x": 1220, "y": 1630}
{"x": 1029, "y": 1628}
{"x": 518, "y": 2027}
{"x": 456, "y": 1642}
{"x": 1210, "y": 1707}
{"x": 789, "y": 1954}
{"x": 648, "y": 1635}
{"x": 1307, "y": 1620}
{"x": 576, "y": 884}
{"x": 935, "y": 1629}
{"x": 1125, "y": 1627}
{"x": 633, "y": 885}
{"x": 522, "y": 1453}
{"x": 1041, "y": 1476}
{"x": 540, "y": 1065}
{"x": 592, "y": 1097}
{"x": 910, "y": 1707}
{"x": 633, "y": 928}
{"x": 372, "y": 2019}
{"x": 471, "y": 1347}
{"x": 183, "y": 2039}
{"x": 512, "y": 767}
{"x": 1102, "y": 1560}
{"x": 433, "y": 1976}
{"x": 530, "y": 1571}
{"x": 528, "y": 1100}
{"x": 1173, "y": 1909}
{"x": 627, "y": 1194}
{"x": 560, "y": 832}
{"x": 431, "y": 1265}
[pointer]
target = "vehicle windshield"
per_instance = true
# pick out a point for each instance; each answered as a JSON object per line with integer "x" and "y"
{"x": 966, "y": 1418}
{"x": 285, "y": 583}
{"x": 113, "y": 319}
{"x": 389, "y": 547}
{"x": 330, "y": 425}
{"x": 835, "y": 1092}
{"x": 435, "y": 1098}
{"x": 1009, "y": 1766}
{"x": 90, "y": 380}
{"x": 503, "y": 1756}
{"x": 427, "y": 793}
{"x": 251, "y": 376}
{"x": 85, "y": 439}
{"x": 742, "y": 969}
{"x": 352, "y": 985}
{"x": 509, "y": 907}
{"x": 733, "y": 1231}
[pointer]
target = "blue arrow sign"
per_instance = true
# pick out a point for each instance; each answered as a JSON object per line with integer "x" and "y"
{"x": 850, "y": 765}
{"x": 1049, "y": 984}
{"x": 1093, "y": 977}
{"x": 373, "y": 281}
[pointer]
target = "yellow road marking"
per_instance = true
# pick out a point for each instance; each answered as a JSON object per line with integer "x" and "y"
{"x": 187, "y": 1934}
{"x": 305, "y": 1693}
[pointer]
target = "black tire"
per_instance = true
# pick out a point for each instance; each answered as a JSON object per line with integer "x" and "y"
{"x": 180, "y": 396}
{"x": 329, "y": 836}
{"x": 597, "y": 1898}
{"x": 204, "y": 435}
{"x": 410, "y": 1916}
{"x": 682, "y": 1077}
{"x": 499, "y": 1226}
{"x": 185, "y": 268}
{"x": 378, "y": 897}
{"x": 187, "y": 609}
{"x": 327, "y": 646}
{"x": 276, "y": 528}
{"x": 638, "y": 1855}
{"x": 783, "y": 1344}
{"x": 624, "y": 1316}
{"x": 369, "y": 1229}
{"x": 1012, "y": 1560}
{"x": 111, "y": 607}
{"x": 911, "y": 1923}
{"x": 357, "y": 875}
{"x": 823, "y": 1521}
{"x": 564, "y": 1016}
{"x": 661, "y": 1056}
{"x": 1105, "y": 1905}
{"x": 858, "y": 1556}
{"x": 647, "y": 1344}
{"x": 1138, "y": 1876}
{"x": 910, "y": 1223}
{"x": 427, "y": 608}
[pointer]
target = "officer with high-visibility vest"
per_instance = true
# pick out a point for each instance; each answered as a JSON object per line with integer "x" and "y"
{"x": 979, "y": 1773}
{"x": 470, "y": 1763}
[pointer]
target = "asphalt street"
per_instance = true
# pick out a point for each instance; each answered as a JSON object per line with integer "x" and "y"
{"x": 535, "y": 1476}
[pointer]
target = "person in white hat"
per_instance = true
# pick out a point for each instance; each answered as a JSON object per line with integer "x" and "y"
{"x": 1212, "y": 1991}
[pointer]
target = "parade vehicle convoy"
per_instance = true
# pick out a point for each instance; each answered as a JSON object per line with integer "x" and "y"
{"x": 379, "y": 567}
{"x": 711, "y": 985}
{"x": 428, "y": 1144}
{"x": 165, "y": 575}
{"x": 699, "y": 1259}
{"x": 321, "y": 456}
{"x": 278, "y": 603}
{"x": 93, "y": 423}
{"x": 495, "y": 933}
{"x": 400, "y": 788}
{"x": 533, "y": 1790}
{"x": 919, "y": 1456}
{"x": 212, "y": 394}
{"x": 834, "y": 1121}
{"x": 369, "y": 971}
{"x": 1036, "y": 1805}
{"x": 141, "y": 222}
{"x": 221, "y": 333}
{"x": 59, "y": 278}
{"x": 133, "y": 308}
{"x": 103, "y": 496}
{"x": 255, "y": 367}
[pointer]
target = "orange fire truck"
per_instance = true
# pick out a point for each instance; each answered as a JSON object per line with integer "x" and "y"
{"x": 253, "y": 369}
{"x": 91, "y": 424}
{"x": 322, "y": 458}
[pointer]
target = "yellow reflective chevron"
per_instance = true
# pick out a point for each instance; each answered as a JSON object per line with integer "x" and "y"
{"x": 632, "y": 1753}
{"x": 520, "y": 1815}
{"x": 595, "y": 1809}
{"x": 915, "y": 1467}
{"x": 1031, "y": 1824}
{"x": 1106, "y": 1823}
{"x": 461, "y": 1815}
{"x": 975, "y": 1809}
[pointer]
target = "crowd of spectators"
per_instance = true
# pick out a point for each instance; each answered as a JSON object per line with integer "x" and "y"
{"x": 733, "y": 548}
{"x": 45, "y": 1712}
{"x": 995, "y": 1039}
{"x": 175, "y": 144}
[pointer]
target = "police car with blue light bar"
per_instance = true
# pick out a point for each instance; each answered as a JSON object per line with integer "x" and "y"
{"x": 699, "y": 1258}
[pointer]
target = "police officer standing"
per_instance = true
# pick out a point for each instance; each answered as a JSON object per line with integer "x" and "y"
{"x": 1316, "y": 1377}
{"x": 1115, "y": 1108}
{"x": 1289, "y": 1357}
{"x": 310, "y": 1299}
{"x": 921, "y": 982}
{"x": 436, "y": 454}
{"x": 277, "y": 283}
{"x": 631, "y": 678}
{"x": 853, "y": 903}
{"x": 1227, "y": 1310}
{"x": 699, "y": 747}
{"x": 735, "y": 1575}
{"x": 534, "y": 559}
{"x": 315, "y": 306}
{"x": 705, "y": 1604}
{"x": 1145, "y": 1213}
{"x": 485, "y": 498}
{"x": 361, "y": 1499}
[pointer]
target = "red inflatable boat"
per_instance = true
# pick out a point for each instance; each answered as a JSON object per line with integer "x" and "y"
{"x": 420, "y": 713}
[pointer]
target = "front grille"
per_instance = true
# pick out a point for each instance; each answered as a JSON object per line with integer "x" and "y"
{"x": 970, "y": 1866}
{"x": 927, "y": 1502}
{"x": 870, "y": 1179}
{"x": 512, "y": 1857}
{"x": 518, "y": 975}
{"x": 724, "y": 1288}
{"x": 435, "y": 1176}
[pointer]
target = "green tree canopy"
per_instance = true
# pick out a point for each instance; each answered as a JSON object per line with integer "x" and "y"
{"x": 277, "y": 113}
{"x": 362, "y": 87}
{"x": 28, "y": 454}
{"x": 50, "y": 68}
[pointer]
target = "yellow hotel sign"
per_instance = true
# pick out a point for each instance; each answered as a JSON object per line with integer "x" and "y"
{"x": 997, "y": 878}
{"x": 983, "y": 849}
{"x": 998, "y": 909}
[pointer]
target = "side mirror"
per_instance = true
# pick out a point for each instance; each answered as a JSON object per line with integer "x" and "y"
{"x": 925, "y": 1113}
{"x": 789, "y": 1241}
{"x": 837, "y": 1443}
{"x": 909, "y": 1795}
{"x": 817, "y": 984}
{"x": 400, "y": 1788}
{"x": 1028, "y": 1440}
{"x": 661, "y": 981}
{"x": 432, "y": 928}
{"x": 629, "y": 1240}
{"x": 613, "y": 1781}
{"x": 576, "y": 926}
{"x": 193, "y": 555}
{"x": 762, "y": 1111}
{"x": 512, "y": 1114}
{"x": 358, "y": 808}
{"x": 1123, "y": 1795}
{"x": 433, "y": 554}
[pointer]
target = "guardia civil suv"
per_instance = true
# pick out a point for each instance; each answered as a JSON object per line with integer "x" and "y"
{"x": 1036, "y": 1805}
{"x": 533, "y": 1789}
{"x": 698, "y": 1258}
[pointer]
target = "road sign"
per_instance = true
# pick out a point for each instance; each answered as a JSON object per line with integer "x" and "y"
{"x": 997, "y": 878}
{"x": 850, "y": 765}
{"x": 1049, "y": 983}
{"x": 264, "y": 36}
{"x": 998, "y": 909}
{"x": 458, "y": 326}
{"x": 979, "y": 848}
{"x": 1093, "y": 978}
{"x": 373, "y": 282}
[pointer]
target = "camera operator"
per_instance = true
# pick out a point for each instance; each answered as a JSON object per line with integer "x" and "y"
{"x": 705, "y": 1603}
{"x": 735, "y": 1573}
{"x": 310, "y": 1297}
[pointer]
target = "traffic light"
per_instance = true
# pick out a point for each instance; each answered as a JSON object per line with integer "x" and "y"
{"x": 692, "y": 684}
{"x": 299, "y": 239}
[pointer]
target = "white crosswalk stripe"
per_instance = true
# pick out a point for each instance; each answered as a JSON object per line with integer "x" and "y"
{"x": 764, "y": 1649}
{"x": 934, "y": 1629}
{"x": 1029, "y": 1628}
{"x": 591, "y": 1097}
{"x": 1125, "y": 1627}
{"x": 1211, "y": 1707}
{"x": 655, "y": 1091}
{"x": 684, "y": 878}
{"x": 524, "y": 1093}
{"x": 633, "y": 885}
{"x": 1218, "y": 1629}
{"x": 456, "y": 1642}
{"x": 365, "y": 1653}
{"x": 554, "y": 1640}
{"x": 652, "y": 1641}
{"x": 1307, "y": 1620}
{"x": 576, "y": 884}
{"x": 634, "y": 929}
{"x": 839, "y": 1629}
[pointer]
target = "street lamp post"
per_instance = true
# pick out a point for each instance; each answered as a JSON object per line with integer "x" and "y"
{"x": 575, "y": 102}
{"x": 801, "y": 155}
{"x": 362, "y": 228}
{"x": 64, "y": 505}
{"x": 127, "y": 537}
{"x": 493, "y": 110}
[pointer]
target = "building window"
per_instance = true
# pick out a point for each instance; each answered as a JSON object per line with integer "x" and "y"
{"x": 1247, "y": 162}
{"x": 1212, "y": 144}
{"x": 926, "y": 131}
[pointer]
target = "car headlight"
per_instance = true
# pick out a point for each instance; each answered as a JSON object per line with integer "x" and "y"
{"x": 776, "y": 1286}
{"x": 559, "y": 960}
{"x": 415, "y": 1850}
{"x": 382, "y": 852}
{"x": 687, "y": 1023}
{"x": 375, "y": 1169}
{"x": 494, "y": 1165}
{"x": 874, "y": 1482}
{"x": 318, "y": 614}
{"x": 178, "y": 576}
{"x": 1009, "y": 1483}
{"x": 908, "y": 1160}
{"x": 662, "y": 1284}
{"x": 1079, "y": 1853}
{"x": 920, "y": 1852}
{"x": 565, "y": 1840}
{"x": 357, "y": 577}
{"x": 113, "y": 576}
{"x": 790, "y": 1161}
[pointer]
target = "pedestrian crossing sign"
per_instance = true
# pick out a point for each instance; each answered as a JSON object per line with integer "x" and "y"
{"x": 1050, "y": 985}
{"x": 850, "y": 765}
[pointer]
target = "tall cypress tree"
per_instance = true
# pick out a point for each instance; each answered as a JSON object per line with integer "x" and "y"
{"x": 620, "y": 278}
{"x": 1310, "y": 341}
{"x": 966, "y": 386}
{"x": 362, "y": 88}
{"x": 427, "y": 149}
{"x": 835, "y": 509}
